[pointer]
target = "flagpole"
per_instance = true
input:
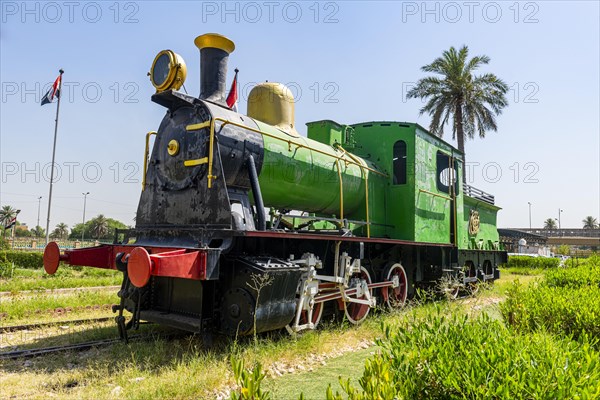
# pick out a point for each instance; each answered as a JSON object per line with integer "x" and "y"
{"x": 53, "y": 154}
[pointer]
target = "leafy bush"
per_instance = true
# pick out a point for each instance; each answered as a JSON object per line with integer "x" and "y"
{"x": 23, "y": 259}
{"x": 441, "y": 357}
{"x": 587, "y": 274}
{"x": 532, "y": 262}
{"x": 563, "y": 310}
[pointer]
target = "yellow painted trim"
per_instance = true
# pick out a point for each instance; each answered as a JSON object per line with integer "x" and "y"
{"x": 146, "y": 158}
{"x": 339, "y": 169}
{"x": 435, "y": 194}
{"x": 363, "y": 165}
{"x": 173, "y": 147}
{"x": 193, "y": 163}
{"x": 291, "y": 142}
{"x": 215, "y": 40}
{"x": 197, "y": 127}
{"x": 211, "y": 151}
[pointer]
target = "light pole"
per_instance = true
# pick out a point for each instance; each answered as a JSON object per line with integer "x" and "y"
{"x": 529, "y": 214}
{"x": 559, "y": 211}
{"x": 83, "y": 223}
{"x": 38, "y": 220}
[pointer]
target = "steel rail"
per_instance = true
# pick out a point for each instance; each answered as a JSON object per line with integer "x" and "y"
{"x": 16, "y": 328}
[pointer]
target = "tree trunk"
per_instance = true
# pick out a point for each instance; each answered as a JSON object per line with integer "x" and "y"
{"x": 460, "y": 136}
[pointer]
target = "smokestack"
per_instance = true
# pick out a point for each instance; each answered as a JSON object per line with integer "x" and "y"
{"x": 214, "y": 52}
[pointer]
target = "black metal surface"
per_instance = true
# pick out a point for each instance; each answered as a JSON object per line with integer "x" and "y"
{"x": 258, "y": 199}
{"x": 272, "y": 281}
{"x": 213, "y": 74}
{"x": 177, "y": 196}
{"x": 478, "y": 194}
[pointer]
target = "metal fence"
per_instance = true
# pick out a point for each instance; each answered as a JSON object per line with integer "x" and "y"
{"x": 565, "y": 232}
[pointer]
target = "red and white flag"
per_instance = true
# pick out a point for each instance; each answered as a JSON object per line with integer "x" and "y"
{"x": 53, "y": 92}
{"x": 233, "y": 93}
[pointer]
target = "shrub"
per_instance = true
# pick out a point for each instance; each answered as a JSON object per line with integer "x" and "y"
{"x": 441, "y": 357}
{"x": 532, "y": 262}
{"x": 563, "y": 309}
{"x": 23, "y": 259}
{"x": 587, "y": 274}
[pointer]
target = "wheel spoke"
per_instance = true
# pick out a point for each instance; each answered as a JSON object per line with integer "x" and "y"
{"x": 355, "y": 312}
{"x": 396, "y": 297}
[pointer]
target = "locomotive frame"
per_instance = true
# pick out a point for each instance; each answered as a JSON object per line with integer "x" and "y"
{"x": 380, "y": 211}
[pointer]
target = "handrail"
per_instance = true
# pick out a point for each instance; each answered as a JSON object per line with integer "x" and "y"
{"x": 435, "y": 194}
{"x": 339, "y": 170}
{"x": 288, "y": 141}
{"x": 353, "y": 159}
{"x": 366, "y": 177}
{"x": 146, "y": 158}
{"x": 478, "y": 194}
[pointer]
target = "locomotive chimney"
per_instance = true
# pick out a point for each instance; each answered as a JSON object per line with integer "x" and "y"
{"x": 214, "y": 52}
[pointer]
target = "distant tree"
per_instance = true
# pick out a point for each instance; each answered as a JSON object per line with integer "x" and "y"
{"x": 38, "y": 231}
{"x": 89, "y": 226}
{"x": 473, "y": 101}
{"x": 6, "y": 214}
{"x": 590, "y": 223}
{"x": 99, "y": 226}
{"x": 62, "y": 230}
{"x": 23, "y": 233}
{"x": 550, "y": 223}
{"x": 564, "y": 249}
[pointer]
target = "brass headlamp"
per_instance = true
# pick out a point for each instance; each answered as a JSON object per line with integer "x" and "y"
{"x": 168, "y": 71}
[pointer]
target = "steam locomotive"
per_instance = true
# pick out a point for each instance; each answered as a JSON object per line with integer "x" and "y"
{"x": 244, "y": 225}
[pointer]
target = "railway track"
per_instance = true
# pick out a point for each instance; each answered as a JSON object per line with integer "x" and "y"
{"x": 29, "y": 353}
{"x": 9, "y": 295}
{"x": 16, "y": 328}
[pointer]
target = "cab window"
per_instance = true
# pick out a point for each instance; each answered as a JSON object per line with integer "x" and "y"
{"x": 399, "y": 162}
{"x": 446, "y": 174}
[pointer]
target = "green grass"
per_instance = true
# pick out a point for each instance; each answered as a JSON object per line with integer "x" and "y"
{"x": 185, "y": 368}
{"x": 314, "y": 383}
{"x": 36, "y": 279}
{"x": 567, "y": 302}
{"x": 449, "y": 355}
{"x": 26, "y": 308}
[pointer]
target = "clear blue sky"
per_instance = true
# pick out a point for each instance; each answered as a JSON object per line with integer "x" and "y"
{"x": 347, "y": 61}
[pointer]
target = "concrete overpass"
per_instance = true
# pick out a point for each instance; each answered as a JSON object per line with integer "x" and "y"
{"x": 568, "y": 236}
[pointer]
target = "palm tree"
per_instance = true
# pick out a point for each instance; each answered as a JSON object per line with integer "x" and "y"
{"x": 473, "y": 101}
{"x": 6, "y": 214}
{"x": 590, "y": 223}
{"x": 38, "y": 231}
{"x": 62, "y": 230}
{"x": 550, "y": 223}
{"x": 99, "y": 226}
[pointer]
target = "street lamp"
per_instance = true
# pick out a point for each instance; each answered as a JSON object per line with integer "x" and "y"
{"x": 559, "y": 211}
{"x": 529, "y": 214}
{"x": 38, "y": 223}
{"x": 83, "y": 223}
